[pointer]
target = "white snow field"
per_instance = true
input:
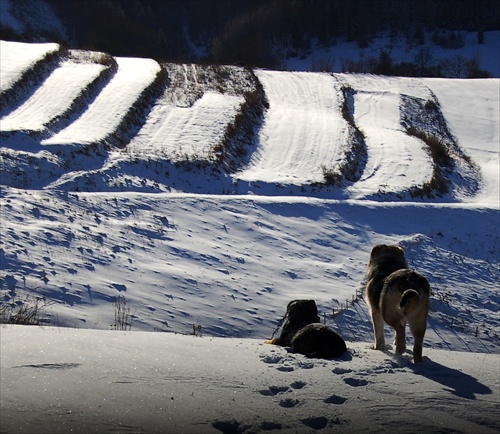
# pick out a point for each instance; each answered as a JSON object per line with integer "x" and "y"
{"x": 186, "y": 131}
{"x": 304, "y": 118}
{"x": 57, "y": 380}
{"x": 105, "y": 113}
{"x": 396, "y": 161}
{"x": 125, "y": 250}
{"x": 18, "y": 57}
{"x": 472, "y": 110}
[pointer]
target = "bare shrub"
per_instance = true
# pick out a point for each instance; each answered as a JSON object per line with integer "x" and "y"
{"x": 123, "y": 319}
{"x": 27, "y": 311}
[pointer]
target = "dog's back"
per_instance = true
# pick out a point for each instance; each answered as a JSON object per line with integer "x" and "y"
{"x": 384, "y": 260}
{"x": 319, "y": 341}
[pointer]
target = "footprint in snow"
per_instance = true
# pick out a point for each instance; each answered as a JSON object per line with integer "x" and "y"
{"x": 355, "y": 382}
{"x": 341, "y": 371}
{"x": 289, "y": 403}
{"x": 298, "y": 384}
{"x": 271, "y": 359}
{"x": 315, "y": 423}
{"x": 230, "y": 426}
{"x": 269, "y": 426}
{"x": 274, "y": 390}
{"x": 285, "y": 368}
{"x": 335, "y": 399}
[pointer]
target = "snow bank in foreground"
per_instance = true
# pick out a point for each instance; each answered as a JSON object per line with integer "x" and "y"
{"x": 62, "y": 380}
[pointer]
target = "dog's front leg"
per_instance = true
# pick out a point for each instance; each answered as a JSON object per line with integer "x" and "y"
{"x": 378, "y": 330}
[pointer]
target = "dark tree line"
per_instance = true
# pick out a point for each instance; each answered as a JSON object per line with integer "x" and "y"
{"x": 255, "y": 32}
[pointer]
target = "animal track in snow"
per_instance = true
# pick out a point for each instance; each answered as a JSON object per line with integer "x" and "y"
{"x": 335, "y": 399}
{"x": 355, "y": 382}
{"x": 269, "y": 426}
{"x": 341, "y": 371}
{"x": 274, "y": 390}
{"x": 289, "y": 402}
{"x": 285, "y": 368}
{"x": 229, "y": 426}
{"x": 298, "y": 384}
{"x": 271, "y": 359}
{"x": 315, "y": 423}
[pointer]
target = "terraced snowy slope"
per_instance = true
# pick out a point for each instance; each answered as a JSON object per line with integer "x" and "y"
{"x": 301, "y": 133}
{"x": 17, "y": 57}
{"x": 472, "y": 111}
{"x": 180, "y": 132}
{"x": 53, "y": 97}
{"x": 112, "y": 104}
{"x": 303, "y": 129}
{"x": 396, "y": 161}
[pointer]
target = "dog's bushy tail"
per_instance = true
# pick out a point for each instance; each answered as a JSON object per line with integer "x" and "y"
{"x": 410, "y": 300}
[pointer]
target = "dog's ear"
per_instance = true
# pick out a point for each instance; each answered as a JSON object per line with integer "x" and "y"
{"x": 377, "y": 249}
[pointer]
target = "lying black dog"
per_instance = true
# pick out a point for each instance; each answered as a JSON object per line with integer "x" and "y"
{"x": 303, "y": 332}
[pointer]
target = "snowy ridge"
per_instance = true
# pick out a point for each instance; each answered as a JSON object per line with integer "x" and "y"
{"x": 105, "y": 113}
{"x": 19, "y": 57}
{"x": 42, "y": 107}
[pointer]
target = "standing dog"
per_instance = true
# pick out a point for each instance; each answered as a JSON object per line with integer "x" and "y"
{"x": 396, "y": 295}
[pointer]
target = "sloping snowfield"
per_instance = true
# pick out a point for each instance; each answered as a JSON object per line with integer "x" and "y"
{"x": 52, "y": 99}
{"x": 18, "y": 57}
{"x": 396, "y": 161}
{"x": 304, "y": 117}
{"x": 180, "y": 131}
{"x": 103, "y": 116}
{"x": 94, "y": 220}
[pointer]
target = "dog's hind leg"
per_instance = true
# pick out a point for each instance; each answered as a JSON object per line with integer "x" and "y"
{"x": 418, "y": 332}
{"x": 400, "y": 339}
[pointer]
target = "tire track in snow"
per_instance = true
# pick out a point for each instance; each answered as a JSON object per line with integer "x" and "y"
{"x": 303, "y": 129}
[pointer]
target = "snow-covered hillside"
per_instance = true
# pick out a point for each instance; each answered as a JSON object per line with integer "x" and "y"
{"x": 200, "y": 199}
{"x": 103, "y": 204}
